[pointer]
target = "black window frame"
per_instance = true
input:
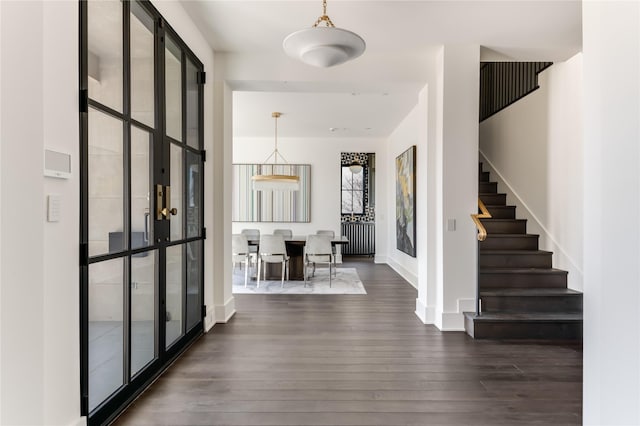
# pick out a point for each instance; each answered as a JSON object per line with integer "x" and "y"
{"x": 352, "y": 191}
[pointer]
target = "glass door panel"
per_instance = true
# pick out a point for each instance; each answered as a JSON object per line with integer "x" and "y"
{"x": 177, "y": 189}
{"x": 141, "y": 286}
{"x": 193, "y": 106}
{"x": 106, "y": 188}
{"x": 106, "y": 329}
{"x": 174, "y": 293}
{"x": 173, "y": 89}
{"x": 141, "y": 188}
{"x": 142, "y": 66}
{"x": 105, "y": 52}
{"x": 194, "y": 282}
{"x": 193, "y": 194}
{"x": 144, "y": 282}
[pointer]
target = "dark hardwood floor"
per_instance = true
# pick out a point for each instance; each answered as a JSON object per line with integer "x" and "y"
{"x": 359, "y": 360}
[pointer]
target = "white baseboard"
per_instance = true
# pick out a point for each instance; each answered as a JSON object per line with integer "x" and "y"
{"x": 379, "y": 259}
{"x": 82, "y": 421}
{"x": 454, "y": 321}
{"x": 404, "y": 273}
{"x": 427, "y": 314}
{"x": 210, "y": 319}
{"x": 223, "y": 313}
{"x": 449, "y": 321}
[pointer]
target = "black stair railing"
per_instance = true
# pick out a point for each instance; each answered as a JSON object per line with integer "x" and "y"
{"x": 503, "y": 83}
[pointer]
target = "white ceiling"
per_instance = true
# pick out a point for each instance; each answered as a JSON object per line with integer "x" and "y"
{"x": 506, "y": 30}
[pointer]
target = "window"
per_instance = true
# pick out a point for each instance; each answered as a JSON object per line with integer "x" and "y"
{"x": 352, "y": 191}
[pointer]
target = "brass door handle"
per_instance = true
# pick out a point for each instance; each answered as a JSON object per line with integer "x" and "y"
{"x": 165, "y": 212}
{"x": 163, "y": 197}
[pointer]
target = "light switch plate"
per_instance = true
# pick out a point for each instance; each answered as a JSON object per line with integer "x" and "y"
{"x": 53, "y": 208}
{"x": 451, "y": 224}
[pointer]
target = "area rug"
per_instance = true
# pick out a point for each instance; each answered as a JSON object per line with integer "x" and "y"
{"x": 346, "y": 281}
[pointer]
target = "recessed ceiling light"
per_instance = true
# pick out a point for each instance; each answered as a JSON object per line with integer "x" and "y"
{"x": 333, "y": 129}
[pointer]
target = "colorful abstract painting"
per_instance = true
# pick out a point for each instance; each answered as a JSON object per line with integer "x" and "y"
{"x": 406, "y": 201}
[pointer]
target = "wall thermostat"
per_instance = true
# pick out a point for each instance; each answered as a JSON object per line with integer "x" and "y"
{"x": 57, "y": 164}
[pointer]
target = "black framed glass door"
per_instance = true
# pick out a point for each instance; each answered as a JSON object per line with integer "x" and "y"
{"x": 141, "y": 239}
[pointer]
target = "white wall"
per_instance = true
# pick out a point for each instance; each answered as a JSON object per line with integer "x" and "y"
{"x": 324, "y": 157}
{"x": 429, "y": 186}
{"x": 60, "y": 122}
{"x": 444, "y": 126}
{"x": 534, "y": 149}
{"x": 611, "y": 40}
{"x": 22, "y": 227}
{"x": 1, "y": 204}
{"x": 459, "y": 183}
{"x": 404, "y": 136}
{"x": 222, "y": 155}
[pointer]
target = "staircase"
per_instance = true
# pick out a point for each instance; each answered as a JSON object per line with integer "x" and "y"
{"x": 522, "y": 296}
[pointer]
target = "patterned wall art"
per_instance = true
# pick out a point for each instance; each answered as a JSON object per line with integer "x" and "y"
{"x": 406, "y": 201}
{"x": 271, "y": 206}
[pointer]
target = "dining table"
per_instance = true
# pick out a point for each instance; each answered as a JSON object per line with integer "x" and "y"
{"x": 295, "y": 249}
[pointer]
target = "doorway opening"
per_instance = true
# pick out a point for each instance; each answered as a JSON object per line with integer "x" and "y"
{"x": 358, "y": 201}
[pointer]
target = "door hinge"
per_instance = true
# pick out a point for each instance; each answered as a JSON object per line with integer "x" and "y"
{"x": 84, "y": 254}
{"x": 204, "y": 311}
{"x": 204, "y": 233}
{"x": 202, "y": 77}
{"x": 84, "y": 100}
{"x": 203, "y": 153}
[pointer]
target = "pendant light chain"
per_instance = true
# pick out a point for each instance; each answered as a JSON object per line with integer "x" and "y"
{"x": 324, "y": 16}
{"x": 275, "y": 153}
{"x": 276, "y": 133}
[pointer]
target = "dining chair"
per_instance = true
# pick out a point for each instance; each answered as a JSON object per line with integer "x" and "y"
{"x": 240, "y": 253}
{"x": 286, "y": 233}
{"x": 254, "y": 235}
{"x": 331, "y": 234}
{"x": 272, "y": 249}
{"x": 328, "y": 232}
{"x": 318, "y": 250}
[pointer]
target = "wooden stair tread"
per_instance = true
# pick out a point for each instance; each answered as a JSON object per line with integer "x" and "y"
{"x": 542, "y": 291}
{"x": 485, "y": 270}
{"x": 525, "y": 316}
{"x": 511, "y": 252}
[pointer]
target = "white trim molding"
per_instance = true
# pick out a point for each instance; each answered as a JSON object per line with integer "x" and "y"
{"x": 223, "y": 313}
{"x": 454, "y": 321}
{"x": 427, "y": 314}
{"x": 410, "y": 277}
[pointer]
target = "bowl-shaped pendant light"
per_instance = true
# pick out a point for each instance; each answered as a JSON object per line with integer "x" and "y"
{"x": 324, "y": 46}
